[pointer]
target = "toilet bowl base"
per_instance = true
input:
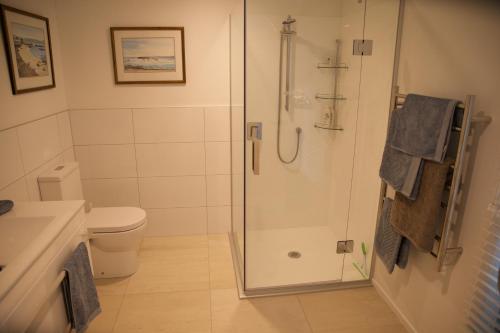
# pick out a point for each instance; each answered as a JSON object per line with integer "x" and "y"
{"x": 113, "y": 264}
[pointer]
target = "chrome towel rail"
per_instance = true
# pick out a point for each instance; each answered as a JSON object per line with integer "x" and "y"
{"x": 445, "y": 253}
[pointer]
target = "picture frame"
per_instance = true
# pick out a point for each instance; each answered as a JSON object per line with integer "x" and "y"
{"x": 28, "y": 49}
{"x": 148, "y": 55}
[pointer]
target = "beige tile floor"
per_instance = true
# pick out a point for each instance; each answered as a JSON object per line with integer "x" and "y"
{"x": 186, "y": 284}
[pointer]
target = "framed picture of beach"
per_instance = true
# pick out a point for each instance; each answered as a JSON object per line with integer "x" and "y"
{"x": 148, "y": 55}
{"x": 27, "y": 46}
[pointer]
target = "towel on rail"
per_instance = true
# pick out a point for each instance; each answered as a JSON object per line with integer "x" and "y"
{"x": 422, "y": 127}
{"x": 417, "y": 220}
{"x": 389, "y": 245}
{"x": 398, "y": 169}
{"x": 79, "y": 290}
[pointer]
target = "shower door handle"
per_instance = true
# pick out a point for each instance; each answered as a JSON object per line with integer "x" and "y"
{"x": 254, "y": 133}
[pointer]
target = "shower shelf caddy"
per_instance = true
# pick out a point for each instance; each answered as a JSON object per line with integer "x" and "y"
{"x": 334, "y": 97}
{"x": 446, "y": 254}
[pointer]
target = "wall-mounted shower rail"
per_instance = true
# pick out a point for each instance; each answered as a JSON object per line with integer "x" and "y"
{"x": 446, "y": 254}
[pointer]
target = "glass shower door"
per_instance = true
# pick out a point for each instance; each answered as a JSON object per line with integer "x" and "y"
{"x": 301, "y": 102}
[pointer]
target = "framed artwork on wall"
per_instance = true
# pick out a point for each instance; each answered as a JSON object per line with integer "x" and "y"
{"x": 27, "y": 46}
{"x": 148, "y": 55}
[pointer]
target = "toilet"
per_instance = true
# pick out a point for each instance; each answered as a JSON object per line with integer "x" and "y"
{"x": 115, "y": 233}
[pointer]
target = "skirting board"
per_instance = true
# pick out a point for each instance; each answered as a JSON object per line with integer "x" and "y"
{"x": 402, "y": 317}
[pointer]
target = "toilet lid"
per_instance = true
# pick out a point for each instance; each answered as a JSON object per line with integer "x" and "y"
{"x": 115, "y": 219}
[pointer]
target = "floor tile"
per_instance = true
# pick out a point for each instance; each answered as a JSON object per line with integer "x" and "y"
{"x": 179, "y": 312}
{"x": 174, "y": 249}
{"x": 263, "y": 315}
{"x": 154, "y": 277}
{"x": 114, "y": 286}
{"x": 104, "y": 322}
{"x": 350, "y": 310}
{"x": 221, "y": 263}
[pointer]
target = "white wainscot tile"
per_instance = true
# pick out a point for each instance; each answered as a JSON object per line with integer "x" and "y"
{"x": 168, "y": 125}
{"x": 106, "y": 161}
{"x": 170, "y": 159}
{"x": 65, "y": 135}
{"x": 39, "y": 142}
{"x": 32, "y": 177}
{"x": 218, "y": 190}
{"x": 176, "y": 221}
{"x": 217, "y": 124}
{"x": 219, "y": 219}
{"x": 108, "y": 126}
{"x": 11, "y": 167}
{"x": 16, "y": 191}
{"x": 218, "y": 158}
{"x": 111, "y": 192}
{"x": 69, "y": 155}
{"x": 172, "y": 192}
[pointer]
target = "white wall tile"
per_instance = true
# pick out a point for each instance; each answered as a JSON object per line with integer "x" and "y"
{"x": 110, "y": 126}
{"x": 168, "y": 125}
{"x": 172, "y": 192}
{"x": 111, "y": 192}
{"x": 218, "y": 158}
{"x": 32, "y": 177}
{"x": 218, "y": 190}
{"x": 217, "y": 124}
{"x": 219, "y": 219}
{"x": 65, "y": 136}
{"x": 170, "y": 159}
{"x": 11, "y": 167}
{"x": 106, "y": 161}
{"x": 176, "y": 221}
{"x": 16, "y": 191}
{"x": 39, "y": 142}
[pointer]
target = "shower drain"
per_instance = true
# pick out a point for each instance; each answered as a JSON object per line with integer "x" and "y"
{"x": 294, "y": 254}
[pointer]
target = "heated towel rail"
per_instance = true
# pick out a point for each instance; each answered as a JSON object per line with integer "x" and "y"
{"x": 445, "y": 253}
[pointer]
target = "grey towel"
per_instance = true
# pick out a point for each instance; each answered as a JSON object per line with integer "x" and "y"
{"x": 398, "y": 169}
{"x": 401, "y": 171}
{"x": 388, "y": 243}
{"x": 80, "y": 291}
{"x": 422, "y": 127}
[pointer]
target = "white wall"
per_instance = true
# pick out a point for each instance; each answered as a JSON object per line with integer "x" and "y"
{"x": 161, "y": 147}
{"x": 35, "y": 132}
{"x": 448, "y": 50}
{"x": 88, "y": 59}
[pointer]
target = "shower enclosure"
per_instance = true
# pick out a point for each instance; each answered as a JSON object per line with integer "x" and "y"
{"x": 310, "y": 94}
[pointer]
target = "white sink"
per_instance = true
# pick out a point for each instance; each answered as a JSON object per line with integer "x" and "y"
{"x": 36, "y": 238}
{"x": 17, "y": 233}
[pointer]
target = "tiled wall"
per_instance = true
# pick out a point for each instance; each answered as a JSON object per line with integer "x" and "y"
{"x": 28, "y": 150}
{"x": 174, "y": 162}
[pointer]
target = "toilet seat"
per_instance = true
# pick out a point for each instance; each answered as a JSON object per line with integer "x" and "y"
{"x": 115, "y": 219}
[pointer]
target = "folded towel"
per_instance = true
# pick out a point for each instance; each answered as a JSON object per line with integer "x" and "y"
{"x": 422, "y": 127}
{"x": 388, "y": 241}
{"x": 401, "y": 171}
{"x": 80, "y": 291}
{"x": 398, "y": 169}
{"x": 417, "y": 220}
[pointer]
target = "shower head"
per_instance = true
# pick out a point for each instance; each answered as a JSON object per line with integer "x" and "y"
{"x": 287, "y": 25}
{"x": 289, "y": 20}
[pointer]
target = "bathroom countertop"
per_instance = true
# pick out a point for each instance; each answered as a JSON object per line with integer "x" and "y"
{"x": 26, "y": 232}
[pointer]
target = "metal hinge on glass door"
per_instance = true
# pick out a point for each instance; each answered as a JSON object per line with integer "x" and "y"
{"x": 346, "y": 246}
{"x": 362, "y": 47}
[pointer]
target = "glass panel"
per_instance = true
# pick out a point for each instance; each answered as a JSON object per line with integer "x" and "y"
{"x": 308, "y": 122}
{"x": 236, "y": 49}
{"x": 297, "y": 211}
